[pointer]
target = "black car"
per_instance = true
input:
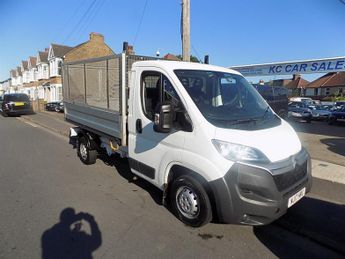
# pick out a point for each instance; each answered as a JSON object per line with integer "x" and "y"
{"x": 337, "y": 115}
{"x": 51, "y": 106}
{"x": 59, "y": 107}
{"x": 16, "y": 104}
{"x": 299, "y": 111}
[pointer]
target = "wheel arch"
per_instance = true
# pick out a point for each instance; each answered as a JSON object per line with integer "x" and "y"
{"x": 91, "y": 139}
{"x": 178, "y": 170}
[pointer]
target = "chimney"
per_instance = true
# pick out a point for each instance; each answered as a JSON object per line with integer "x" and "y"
{"x": 128, "y": 49}
{"x": 206, "y": 59}
{"x": 124, "y": 46}
{"x": 295, "y": 77}
{"x": 94, "y": 36}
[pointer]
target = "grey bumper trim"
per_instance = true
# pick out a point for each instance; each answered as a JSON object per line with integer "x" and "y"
{"x": 256, "y": 194}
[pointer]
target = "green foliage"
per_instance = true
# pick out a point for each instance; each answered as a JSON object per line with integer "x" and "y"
{"x": 192, "y": 58}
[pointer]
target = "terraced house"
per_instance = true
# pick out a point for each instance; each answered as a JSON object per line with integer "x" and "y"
{"x": 40, "y": 77}
{"x": 53, "y": 88}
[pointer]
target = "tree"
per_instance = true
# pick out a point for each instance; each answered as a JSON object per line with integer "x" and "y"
{"x": 192, "y": 58}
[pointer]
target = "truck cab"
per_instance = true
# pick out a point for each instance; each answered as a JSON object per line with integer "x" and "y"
{"x": 192, "y": 124}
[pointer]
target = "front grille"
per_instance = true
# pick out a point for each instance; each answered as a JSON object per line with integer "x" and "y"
{"x": 287, "y": 179}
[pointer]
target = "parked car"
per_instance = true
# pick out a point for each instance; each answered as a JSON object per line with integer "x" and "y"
{"x": 307, "y": 100}
{"x": 320, "y": 112}
{"x": 15, "y": 104}
{"x": 276, "y": 97}
{"x": 59, "y": 107}
{"x": 51, "y": 106}
{"x": 339, "y": 105}
{"x": 299, "y": 111}
{"x": 337, "y": 115}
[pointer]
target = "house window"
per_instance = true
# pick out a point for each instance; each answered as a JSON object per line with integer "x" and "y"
{"x": 327, "y": 91}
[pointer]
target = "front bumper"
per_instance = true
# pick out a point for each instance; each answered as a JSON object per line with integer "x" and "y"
{"x": 255, "y": 194}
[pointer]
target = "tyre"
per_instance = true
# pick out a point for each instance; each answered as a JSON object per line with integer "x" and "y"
{"x": 86, "y": 155}
{"x": 190, "y": 202}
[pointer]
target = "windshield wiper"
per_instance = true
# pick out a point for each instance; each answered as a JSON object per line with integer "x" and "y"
{"x": 243, "y": 121}
{"x": 266, "y": 111}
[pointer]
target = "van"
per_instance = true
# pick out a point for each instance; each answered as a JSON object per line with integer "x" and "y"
{"x": 200, "y": 133}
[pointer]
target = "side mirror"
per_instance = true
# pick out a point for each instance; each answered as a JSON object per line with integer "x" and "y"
{"x": 163, "y": 118}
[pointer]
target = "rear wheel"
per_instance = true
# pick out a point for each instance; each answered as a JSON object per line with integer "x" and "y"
{"x": 86, "y": 155}
{"x": 190, "y": 202}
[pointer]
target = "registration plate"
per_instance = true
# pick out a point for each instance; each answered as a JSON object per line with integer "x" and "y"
{"x": 19, "y": 104}
{"x": 296, "y": 197}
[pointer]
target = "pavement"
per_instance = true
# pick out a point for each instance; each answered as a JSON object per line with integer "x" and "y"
{"x": 56, "y": 123}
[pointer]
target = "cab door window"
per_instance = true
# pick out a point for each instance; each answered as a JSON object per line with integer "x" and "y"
{"x": 156, "y": 88}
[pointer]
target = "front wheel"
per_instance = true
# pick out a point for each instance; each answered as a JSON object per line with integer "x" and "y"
{"x": 190, "y": 202}
{"x": 86, "y": 155}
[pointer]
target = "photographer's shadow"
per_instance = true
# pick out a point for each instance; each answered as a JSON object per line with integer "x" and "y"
{"x": 68, "y": 238}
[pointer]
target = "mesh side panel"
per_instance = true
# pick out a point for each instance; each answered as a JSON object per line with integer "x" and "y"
{"x": 76, "y": 83}
{"x": 96, "y": 84}
{"x": 114, "y": 83}
{"x": 130, "y": 60}
{"x": 65, "y": 83}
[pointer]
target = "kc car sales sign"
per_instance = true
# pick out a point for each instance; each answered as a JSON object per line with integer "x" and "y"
{"x": 297, "y": 67}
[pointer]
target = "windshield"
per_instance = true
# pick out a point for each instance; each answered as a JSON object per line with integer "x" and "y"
{"x": 17, "y": 98}
{"x": 224, "y": 99}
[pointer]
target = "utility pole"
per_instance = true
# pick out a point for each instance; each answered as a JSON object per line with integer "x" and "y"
{"x": 186, "y": 30}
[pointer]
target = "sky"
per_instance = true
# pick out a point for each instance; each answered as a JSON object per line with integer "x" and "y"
{"x": 231, "y": 32}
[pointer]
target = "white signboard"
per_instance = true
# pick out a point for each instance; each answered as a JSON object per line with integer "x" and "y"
{"x": 294, "y": 67}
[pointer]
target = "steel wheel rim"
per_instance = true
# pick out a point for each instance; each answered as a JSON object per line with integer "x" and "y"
{"x": 83, "y": 151}
{"x": 187, "y": 202}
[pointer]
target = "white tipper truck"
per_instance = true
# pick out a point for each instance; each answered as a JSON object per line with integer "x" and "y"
{"x": 200, "y": 133}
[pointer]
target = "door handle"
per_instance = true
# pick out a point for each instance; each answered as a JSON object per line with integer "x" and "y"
{"x": 139, "y": 126}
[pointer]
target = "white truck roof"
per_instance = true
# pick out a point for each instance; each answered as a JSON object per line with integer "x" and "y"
{"x": 173, "y": 65}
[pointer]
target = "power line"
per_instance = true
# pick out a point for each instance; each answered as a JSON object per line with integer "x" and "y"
{"x": 81, "y": 20}
{"x": 141, "y": 20}
{"x": 73, "y": 14}
{"x": 196, "y": 53}
{"x": 90, "y": 18}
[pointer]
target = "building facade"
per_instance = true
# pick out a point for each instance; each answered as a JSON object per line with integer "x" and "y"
{"x": 331, "y": 84}
{"x": 53, "y": 87}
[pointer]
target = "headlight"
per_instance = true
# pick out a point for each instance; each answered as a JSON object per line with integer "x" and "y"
{"x": 237, "y": 152}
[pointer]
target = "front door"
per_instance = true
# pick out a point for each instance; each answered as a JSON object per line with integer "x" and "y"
{"x": 151, "y": 152}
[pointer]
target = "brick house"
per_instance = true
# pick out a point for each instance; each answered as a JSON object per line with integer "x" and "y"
{"x": 93, "y": 48}
{"x": 297, "y": 86}
{"x": 331, "y": 84}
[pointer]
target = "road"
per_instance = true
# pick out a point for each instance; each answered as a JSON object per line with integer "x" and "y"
{"x": 44, "y": 187}
{"x": 324, "y": 142}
